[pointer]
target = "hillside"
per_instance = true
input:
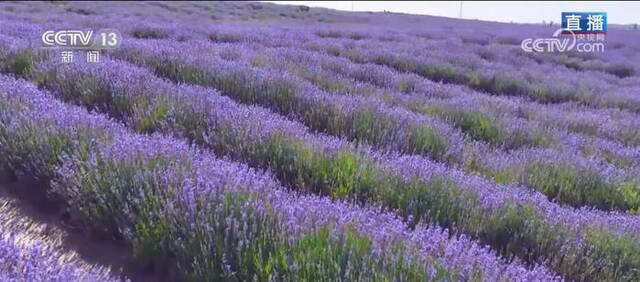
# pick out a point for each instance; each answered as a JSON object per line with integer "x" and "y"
{"x": 234, "y": 141}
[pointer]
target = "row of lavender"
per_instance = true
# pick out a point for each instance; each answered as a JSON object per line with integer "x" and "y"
{"x": 490, "y": 43}
{"x": 342, "y": 75}
{"x": 558, "y": 173}
{"x": 401, "y": 167}
{"x": 267, "y": 38}
{"x": 610, "y": 123}
{"x": 180, "y": 206}
{"x": 481, "y": 123}
{"x": 482, "y": 55}
{"x": 622, "y": 129}
{"x": 418, "y": 188}
{"x": 580, "y": 119}
{"x": 494, "y": 77}
{"x": 475, "y": 56}
{"x": 497, "y": 69}
{"x": 487, "y": 41}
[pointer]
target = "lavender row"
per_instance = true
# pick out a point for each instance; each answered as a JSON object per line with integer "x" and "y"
{"x": 478, "y": 118}
{"x": 484, "y": 42}
{"x": 619, "y": 125}
{"x": 485, "y": 118}
{"x": 364, "y": 120}
{"x": 166, "y": 53}
{"x": 621, "y": 130}
{"x": 632, "y": 188}
{"x": 318, "y": 69}
{"x": 477, "y": 56}
{"x": 617, "y": 187}
{"x": 284, "y": 36}
{"x": 213, "y": 218}
{"x": 493, "y": 56}
{"x": 476, "y": 50}
{"x": 274, "y": 38}
{"x": 523, "y": 165}
{"x": 250, "y": 36}
{"x": 497, "y": 42}
{"x": 494, "y": 78}
{"x": 473, "y": 57}
{"x": 493, "y": 208}
{"x": 265, "y": 140}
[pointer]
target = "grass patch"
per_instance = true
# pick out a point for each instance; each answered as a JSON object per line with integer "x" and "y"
{"x": 477, "y": 125}
{"x": 581, "y": 187}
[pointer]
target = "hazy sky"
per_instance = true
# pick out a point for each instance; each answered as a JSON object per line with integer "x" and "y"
{"x": 618, "y": 12}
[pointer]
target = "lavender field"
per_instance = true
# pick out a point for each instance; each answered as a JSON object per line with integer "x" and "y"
{"x": 240, "y": 141}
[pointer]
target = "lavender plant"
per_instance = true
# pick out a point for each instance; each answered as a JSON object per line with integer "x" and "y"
{"x": 561, "y": 125}
{"x": 270, "y": 142}
{"x": 213, "y": 219}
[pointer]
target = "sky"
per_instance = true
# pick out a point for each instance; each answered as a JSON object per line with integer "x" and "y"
{"x": 618, "y": 12}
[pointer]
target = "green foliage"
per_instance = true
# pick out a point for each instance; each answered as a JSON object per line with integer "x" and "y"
{"x": 506, "y": 176}
{"x": 89, "y": 91}
{"x": 325, "y": 82}
{"x": 351, "y": 177}
{"x": 581, "y": 187}
{"x": 631, "y": 194}
{"x": 520, "y": 231}
{"x": 20, "y": 64}
{"x": 407, "y": 86}
{"x": 437, "y": 200}
{"x": 477, "y": 125}
{"x": 151, "y": 234}
{"x": 320, "y": 256}
{"x": 28, "y": 146}
{"x": 497, "y": 84}
{"x": 155, "y": 116}
{"x": 342, "y": 175}
{"x": 365, "y": 126}
{"x": 425, "y": 141}
{"x": 294, "y": 164}
{"x": 620, "y": 253}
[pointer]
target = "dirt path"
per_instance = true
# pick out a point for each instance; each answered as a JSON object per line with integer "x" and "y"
{"x": 26, "y": 199}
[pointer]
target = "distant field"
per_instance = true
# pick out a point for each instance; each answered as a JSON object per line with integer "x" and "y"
{"x": 236, "y": 141}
